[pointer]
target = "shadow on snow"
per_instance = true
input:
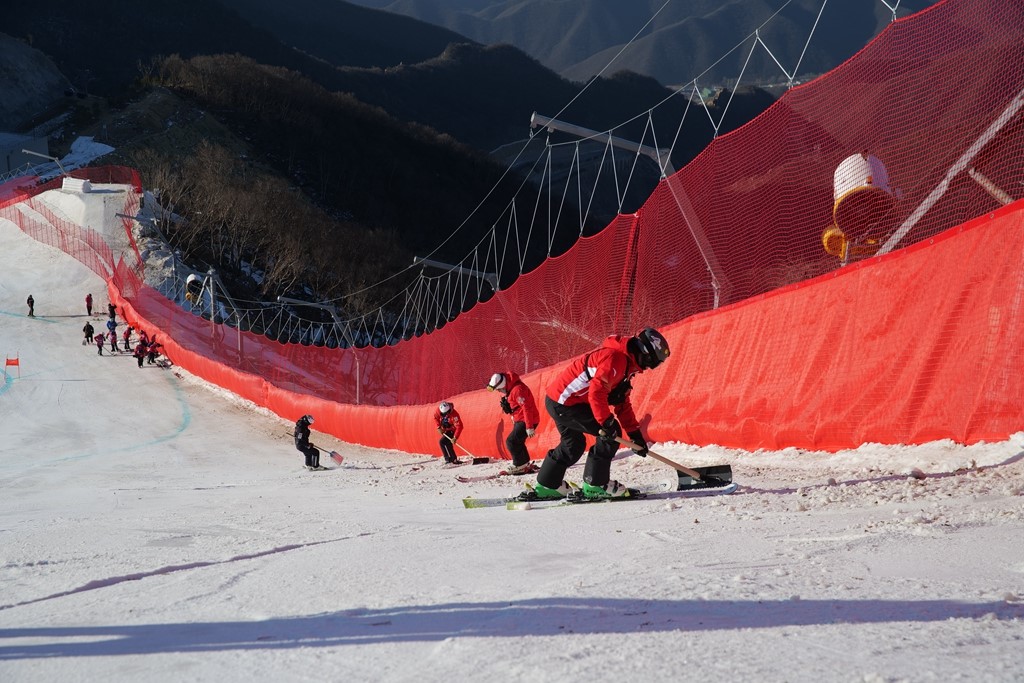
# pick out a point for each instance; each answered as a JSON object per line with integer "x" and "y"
{"x": 426, "y": 623}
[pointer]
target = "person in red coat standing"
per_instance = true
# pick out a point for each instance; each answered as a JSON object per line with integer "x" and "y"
{"x": 449, "y": 426}
{"x": 518, "y": 402}
{"x": 591, "y": 396}
{"x": 88, "y": 303}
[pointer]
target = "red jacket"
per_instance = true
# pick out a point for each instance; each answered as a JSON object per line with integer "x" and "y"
{"x": 524, "y": 407}
{"x": 589, "y": 378}
{"x": 450, "y": 423}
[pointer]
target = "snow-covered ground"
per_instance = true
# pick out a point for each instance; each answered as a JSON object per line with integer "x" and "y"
{"x": 153, "y": 527}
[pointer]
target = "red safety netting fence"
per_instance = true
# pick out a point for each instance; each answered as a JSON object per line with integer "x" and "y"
{"x": 739, "y": 257}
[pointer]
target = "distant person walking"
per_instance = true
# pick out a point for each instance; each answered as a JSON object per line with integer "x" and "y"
{"x": 111, "y": 311}
{"x": 140, "y": 353}
{"x": 127, "y": 337}
{"x": 87, "y": 331}
{"x": 31, "y": 306}
{"x": 99, "y": 343}
{"x": 88, "y": 303}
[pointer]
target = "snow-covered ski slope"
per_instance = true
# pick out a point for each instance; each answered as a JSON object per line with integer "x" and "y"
{"x": 154, "y": 528}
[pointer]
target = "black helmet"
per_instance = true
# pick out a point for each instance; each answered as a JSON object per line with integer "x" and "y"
{"x": 308, "y": 419}
{"x": 651, "y": 349}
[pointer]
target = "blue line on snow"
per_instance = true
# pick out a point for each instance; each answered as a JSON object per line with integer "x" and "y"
{"x": 186, "y": 420}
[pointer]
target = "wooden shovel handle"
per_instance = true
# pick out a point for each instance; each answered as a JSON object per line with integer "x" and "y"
{"x": 681, "y": 468}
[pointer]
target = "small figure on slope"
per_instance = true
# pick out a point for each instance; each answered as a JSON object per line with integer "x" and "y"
{"x": 152, "y": 350}
{"x": 88, "y": 303}
{"x": 518, "y": 402}
{"x": 140, "y": 352}
{"x": 112, "y": 335}
{"x": 99, "y": 340}
{"x": 31, "y": 306}
{"x": 87, "y": 330}
{"x": 303, "y": 445}
{"x": 581, "y": 401}
{"x": 127, "y": 338}
{"x": 449, "y": 426}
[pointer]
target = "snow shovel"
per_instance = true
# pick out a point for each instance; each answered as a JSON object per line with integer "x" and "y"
{"x": 475, "y": 460}
{"x": 711, "y": 477}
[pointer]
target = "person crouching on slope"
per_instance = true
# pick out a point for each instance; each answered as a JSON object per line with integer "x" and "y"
{"x": 449, "y": 426}
{"x": 581, "y": 401}
{"x": 517, "y": 400}
{"x": 303, "y": 445}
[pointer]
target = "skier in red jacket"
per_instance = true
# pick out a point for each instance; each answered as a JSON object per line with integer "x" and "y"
{"x": 591, "y": 396}
{"x": 517, "y": 400}
{"x": 449, "y": 426}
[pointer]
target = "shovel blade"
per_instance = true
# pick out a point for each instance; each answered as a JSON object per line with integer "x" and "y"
{"x": 711, "y": 477}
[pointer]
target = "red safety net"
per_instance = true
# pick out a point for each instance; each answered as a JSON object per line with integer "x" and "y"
{"x": 917, "y": 134}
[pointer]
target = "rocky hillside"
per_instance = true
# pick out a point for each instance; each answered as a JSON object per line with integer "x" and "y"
{"x": 33, "y": 84}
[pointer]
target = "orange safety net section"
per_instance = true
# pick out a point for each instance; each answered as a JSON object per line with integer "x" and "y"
{"x": 926, "y": 343}
{"x": 918, "y": 133}
{"x": 925, "y": 110}
{"x": 39, "y": 222}
{"x": 937, "y": 355}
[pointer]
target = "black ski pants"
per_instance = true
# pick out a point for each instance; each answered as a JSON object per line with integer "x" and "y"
{"x": 312, "y": 454}
{"x": 447, "y": 447}
{"x": 516, "y": 444}
{"x": 573, "y": 424}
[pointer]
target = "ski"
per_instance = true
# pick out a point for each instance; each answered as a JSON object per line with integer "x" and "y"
{"x": 656, "y": 494}
{"x": 494, "y": 475}
{"x": 491, "y": 502}
{"x": 482, "y": 477}
{"x": 514, "y": 503}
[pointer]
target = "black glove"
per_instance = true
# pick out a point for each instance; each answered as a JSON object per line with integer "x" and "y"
{"x": 638, "y": 438}
{"x": 505, "y": 405}
{"x": 609, "y": 429}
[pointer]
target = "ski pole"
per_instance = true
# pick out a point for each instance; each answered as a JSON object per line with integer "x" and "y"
{"x": 679, "y": 468}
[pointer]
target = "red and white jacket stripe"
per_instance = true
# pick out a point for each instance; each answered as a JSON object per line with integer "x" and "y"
{"x": 590, "y": 377}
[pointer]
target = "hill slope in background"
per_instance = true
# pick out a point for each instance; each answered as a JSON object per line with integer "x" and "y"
{"x": 578, "y": 39}
{"x": 402, "y": 177}
{"x": 39, "y": 83}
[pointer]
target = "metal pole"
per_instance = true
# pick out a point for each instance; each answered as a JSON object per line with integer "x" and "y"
{"x": 492, "y": 278}
{"x": 662, "y": 157}
{"x": 960, "y": 165}
{"x": 46, "y": 156}
{"x": 213, "y": 303}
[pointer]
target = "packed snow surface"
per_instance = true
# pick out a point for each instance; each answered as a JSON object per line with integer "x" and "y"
{"x": 154, "y": 527}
